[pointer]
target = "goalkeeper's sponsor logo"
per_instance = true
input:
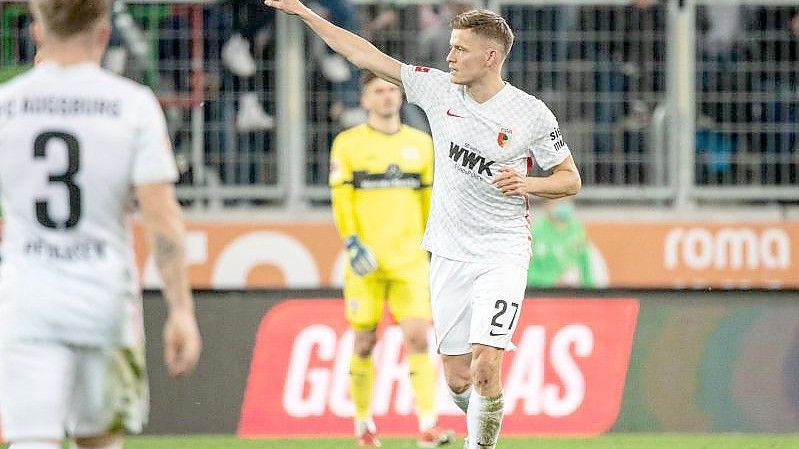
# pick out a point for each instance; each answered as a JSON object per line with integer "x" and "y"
{"x": 566, "y": 376}
{"x": 392, "y": 178}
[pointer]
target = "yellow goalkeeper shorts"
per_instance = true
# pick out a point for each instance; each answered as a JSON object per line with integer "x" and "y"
{"x": 407, "y": 292}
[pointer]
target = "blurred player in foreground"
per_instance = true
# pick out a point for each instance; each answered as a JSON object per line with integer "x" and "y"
{"x": 486, "y": 134}
{"x": 380, "y": 174}
{"x": 75, "y": 143}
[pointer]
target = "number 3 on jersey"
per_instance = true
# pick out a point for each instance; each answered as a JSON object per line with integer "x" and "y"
{"x": 67, "y": 178}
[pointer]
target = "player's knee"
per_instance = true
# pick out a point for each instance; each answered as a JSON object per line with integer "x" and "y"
{"x": 364, "y": 344}
{"x": 113, "y": 440}
{"x": 458, "y": 380}
{"x": 459, "y": 384}
{"x": 364, "y": 351}
{"x": 484, "y": 372}
{"x": 416, "y": 342}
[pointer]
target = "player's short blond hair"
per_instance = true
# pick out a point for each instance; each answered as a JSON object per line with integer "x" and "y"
{"x": 65, "y": 18}
{"x": 487, "y": 24}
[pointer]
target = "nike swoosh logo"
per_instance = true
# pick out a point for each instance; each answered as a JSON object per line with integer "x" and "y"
{"x": 452, "y": 114}
{"x": 496, "y": 335}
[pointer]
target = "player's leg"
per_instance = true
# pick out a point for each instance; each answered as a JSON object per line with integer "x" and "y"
{"x": 409, "y": 302}
{"x": 421, "y": 370}
{"x": 450, "y": 289}
{"x": 363, "y": 298}
{"x": 486, "y": 403}
{"x": 35, "y": 383}
{"x": 110, "y": 397}
{"x": 362, "y": 376}
{"x": 496, "y": 297}
{"x": 457, "y": 371}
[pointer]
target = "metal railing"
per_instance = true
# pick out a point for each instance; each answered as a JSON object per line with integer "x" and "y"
{"x": 747, "y": 91}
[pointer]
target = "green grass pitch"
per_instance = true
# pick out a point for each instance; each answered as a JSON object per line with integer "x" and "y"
{"x": 613, "y": 441}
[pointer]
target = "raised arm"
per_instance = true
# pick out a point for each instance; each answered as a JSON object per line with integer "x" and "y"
{"x": 356, "y": 49}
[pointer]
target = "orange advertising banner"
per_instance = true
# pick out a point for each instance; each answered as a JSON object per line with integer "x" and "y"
{"x": 245, "y": 255}
{"x": 696, "y": 255}
{"x": 642, "y": 255}
{"x": 638, "y": 255}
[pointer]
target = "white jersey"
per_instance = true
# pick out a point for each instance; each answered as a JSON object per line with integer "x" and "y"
{"x": 470, "y": 219}
{"x": 73, "y": 142}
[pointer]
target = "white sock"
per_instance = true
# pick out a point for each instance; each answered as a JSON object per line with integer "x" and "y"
{"x": 35, "y": 445}
{"x": 427, "y": 422}
{"x": 362, "y": 426}
{"x": 461, "y": 399}
{"x": 116, "y": 445}
{"x": 483, "y": 420}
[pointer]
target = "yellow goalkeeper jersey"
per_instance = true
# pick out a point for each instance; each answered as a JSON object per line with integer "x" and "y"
{"x": 380, "y": 187}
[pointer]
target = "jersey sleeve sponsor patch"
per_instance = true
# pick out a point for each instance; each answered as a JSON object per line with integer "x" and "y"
{"x": 549, "y": 148}
{"x": 335, "y": 170}
{"x": 423, "y": 85}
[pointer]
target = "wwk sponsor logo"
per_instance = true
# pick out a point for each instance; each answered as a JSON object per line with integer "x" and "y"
{"x": 566, "y": 377}
{"x": 470, "y": 160}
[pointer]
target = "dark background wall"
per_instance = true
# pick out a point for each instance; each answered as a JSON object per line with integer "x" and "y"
{"x": 702, "y": 361}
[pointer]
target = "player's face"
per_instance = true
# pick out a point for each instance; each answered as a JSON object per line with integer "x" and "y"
{"x": 382, "y": 98}
{"x": 469, "y": 57}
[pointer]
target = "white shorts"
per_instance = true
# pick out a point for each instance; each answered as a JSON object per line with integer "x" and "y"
{"x": 475, "y": 303}
{"x": 50, "y": 391}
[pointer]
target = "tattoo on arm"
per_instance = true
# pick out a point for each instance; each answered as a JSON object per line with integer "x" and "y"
{"x": 169, "y": 254}
{"x": 165, "y": 249}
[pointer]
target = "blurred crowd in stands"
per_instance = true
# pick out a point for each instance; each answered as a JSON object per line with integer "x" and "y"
{"x": 602, "y": 69}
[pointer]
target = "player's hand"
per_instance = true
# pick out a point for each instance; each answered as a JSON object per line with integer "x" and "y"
{"x": 362, "y": 260}
{"x": 287, "y": 6}
{"x": 510, "y": 182}
{"x": 182, "y": 343}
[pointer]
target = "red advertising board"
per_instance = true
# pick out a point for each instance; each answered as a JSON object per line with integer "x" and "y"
{"x": 566, "y": 376}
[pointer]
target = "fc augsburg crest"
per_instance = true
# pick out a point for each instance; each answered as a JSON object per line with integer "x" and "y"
{"x": 504, "y": 136}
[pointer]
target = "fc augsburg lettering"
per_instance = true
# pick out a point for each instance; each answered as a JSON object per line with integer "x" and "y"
{"x": 470, "y": 159}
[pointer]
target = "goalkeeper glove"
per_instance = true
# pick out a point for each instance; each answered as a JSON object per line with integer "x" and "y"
{"x": 361, "y": 259}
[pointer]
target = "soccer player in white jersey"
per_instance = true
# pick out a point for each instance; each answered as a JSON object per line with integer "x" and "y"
{"x": 486, "y": 133}
{"x": 76, "y": 145}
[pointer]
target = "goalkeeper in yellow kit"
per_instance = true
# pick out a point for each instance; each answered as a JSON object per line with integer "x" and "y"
{"x": 381, "y": 174}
